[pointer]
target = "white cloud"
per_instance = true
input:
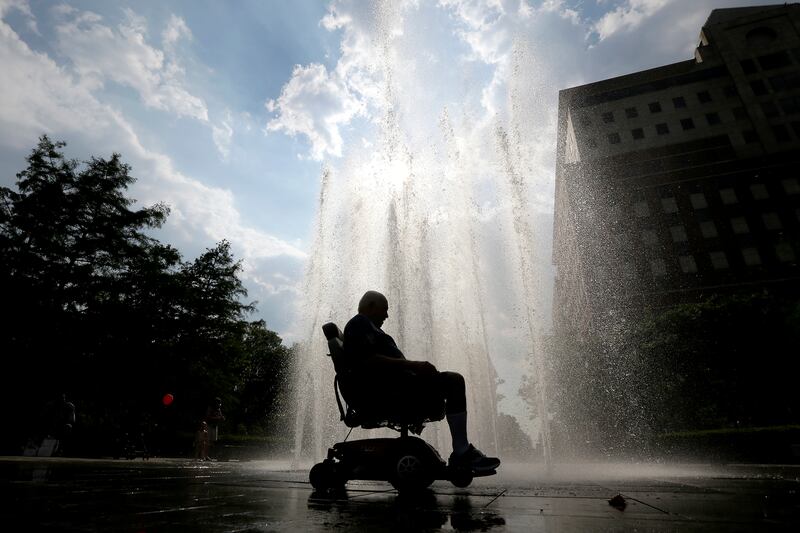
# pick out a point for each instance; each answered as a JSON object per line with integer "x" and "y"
{"x": 39, "y": 96}
{"x": 23, "y": 7}
{"x": 175, "y": 30}
{"x": 315, "y": 103}
{"x": 100, "y": 53}
{"x": 627, "y": 16}
{"x": 222, "y": 135}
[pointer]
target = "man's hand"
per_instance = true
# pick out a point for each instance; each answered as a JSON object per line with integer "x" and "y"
{"x": 422, "y": 368}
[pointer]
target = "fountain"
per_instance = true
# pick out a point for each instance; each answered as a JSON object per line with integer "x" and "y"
{"x": 448, "y": 237}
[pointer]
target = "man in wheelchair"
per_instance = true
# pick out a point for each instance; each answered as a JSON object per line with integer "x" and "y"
{"x": 387, "y": 380}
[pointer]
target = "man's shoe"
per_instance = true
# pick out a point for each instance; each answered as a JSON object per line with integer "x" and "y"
{"x": 474, "y": 459}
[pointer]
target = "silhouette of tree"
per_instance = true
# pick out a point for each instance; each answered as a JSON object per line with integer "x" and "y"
{"x": 99, "y": 308}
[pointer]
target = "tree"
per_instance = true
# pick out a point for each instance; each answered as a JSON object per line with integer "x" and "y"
{"x": 101, "y": 310}
{"x": 725, "y": 362}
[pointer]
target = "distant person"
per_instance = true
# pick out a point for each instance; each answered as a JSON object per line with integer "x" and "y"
{"x": 214, "y": 417}
{"x": 64, "y": 423}
{"x": 383, "y": 372}
{"x": 201, "y": 444}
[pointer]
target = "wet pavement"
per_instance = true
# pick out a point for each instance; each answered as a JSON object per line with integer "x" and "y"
{"x": 38, "y": 494}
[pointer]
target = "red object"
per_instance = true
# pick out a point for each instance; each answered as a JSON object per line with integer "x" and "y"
{"x": 168, "y": 399}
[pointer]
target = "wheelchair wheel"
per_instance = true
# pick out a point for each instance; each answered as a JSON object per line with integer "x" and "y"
{"x": 411, "y": 473}
{"x": 325, "y": 476}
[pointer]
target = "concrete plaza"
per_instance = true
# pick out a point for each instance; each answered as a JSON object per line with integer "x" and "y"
{"x": 43, "y": 494}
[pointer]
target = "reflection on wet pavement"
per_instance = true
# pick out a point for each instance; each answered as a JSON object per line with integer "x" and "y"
{"x": 175, "y": 495}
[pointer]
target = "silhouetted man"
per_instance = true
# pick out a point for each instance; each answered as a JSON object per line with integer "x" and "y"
{"x": 383, "y": 369}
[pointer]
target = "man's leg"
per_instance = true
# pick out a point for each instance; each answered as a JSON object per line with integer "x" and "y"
{"x": 455, "y": 395}
{"x": 464, "y": 453}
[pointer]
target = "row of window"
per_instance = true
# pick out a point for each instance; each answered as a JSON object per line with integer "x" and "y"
{"x": 728, "y": 196}
{"x": 719, "y": 259}
{"x": 780, "y": 83}
{"x": 767, "y": 62}
{"x": 679, "y": 102}
{"x": 781, "y": 132}
{"x": 789, "y": 106}
{"x": 770, "y": 221}
{"x": 663, "y": 129}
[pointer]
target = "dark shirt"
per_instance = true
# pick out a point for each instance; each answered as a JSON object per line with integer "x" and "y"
{"x": 363, "y": 340}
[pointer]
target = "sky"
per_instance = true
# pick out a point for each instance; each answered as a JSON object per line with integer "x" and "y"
{"x": 229, "y": 111}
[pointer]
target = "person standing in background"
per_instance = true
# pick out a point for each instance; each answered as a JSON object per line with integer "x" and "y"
{"x": 214, "y": 417}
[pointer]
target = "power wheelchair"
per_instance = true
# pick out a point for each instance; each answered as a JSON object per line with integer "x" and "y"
{"x": 407, "y": 462}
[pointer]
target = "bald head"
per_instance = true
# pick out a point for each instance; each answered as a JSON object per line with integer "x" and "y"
{"x": 374, "y": 306}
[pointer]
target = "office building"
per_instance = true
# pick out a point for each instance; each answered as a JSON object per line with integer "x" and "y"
{"x": 682, "y": 181}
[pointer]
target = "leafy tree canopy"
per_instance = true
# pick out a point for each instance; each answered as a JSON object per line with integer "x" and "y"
{"x": 98, "y": 308}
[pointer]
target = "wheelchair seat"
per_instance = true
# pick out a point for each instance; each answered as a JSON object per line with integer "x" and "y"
{"x": 361, "y": 407}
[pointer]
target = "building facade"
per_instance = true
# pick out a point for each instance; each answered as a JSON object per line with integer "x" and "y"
{"x": 683, "y": 181}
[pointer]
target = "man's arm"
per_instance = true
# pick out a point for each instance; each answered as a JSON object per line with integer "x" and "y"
{"x": 417, "y": 368}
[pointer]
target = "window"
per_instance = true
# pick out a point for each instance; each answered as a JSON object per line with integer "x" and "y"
{"x": 730, "y": 91}
{"x": 791, "y": 186}
{"x": 698, "y": 200}
{"x": 658, "y": 268}
{"x": 655, "y": 107}
{"x": 662, "y": 129}
{"x": 760, "y": 37}
{"x": 759, "y": 191}
{"x": 785, "y": 82}
{"x": 758, "y": 87}
{"x": 781, "y": 133}
{"x": 688, "y": 264}
{"x": 728, "y": 196}
{"x": 739, "y": 226}
{"x": 631, "y": 112}
{"x": 704, "y": 97}
{"x": 772, "y": 61}
{"x": 784, "y": 252}
{"x": 641, "y": 208}
{"x": 748, "y": 66}
{"x": 770, "y": 109}
{"x": 614, "y": 138}
{"x": 718, "y": 260}
{"x": 678, "y": 234}
{"x": 771, "y": 221}
{"x": 713, "y": 119}
{"x": 791, "y": 105}
{"x": 687, "y": 124}
{"x": 608, "y": 117}
{"x": 739, "y": 113}
{"x": 637, "y": 133}
{"x": 649, "y": 237}
{"x": 708, "y": 229}
{"x": 679, "y": 102}
{"x": 669, "y": 205}
{"x": 750, "y": 136}
{"x": 751, "y": 256}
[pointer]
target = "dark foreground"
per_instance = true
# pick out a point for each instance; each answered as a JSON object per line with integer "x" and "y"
{"x": 174, "y": 495}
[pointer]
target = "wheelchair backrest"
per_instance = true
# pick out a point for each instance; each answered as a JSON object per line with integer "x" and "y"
{"x": 335, "y": 346}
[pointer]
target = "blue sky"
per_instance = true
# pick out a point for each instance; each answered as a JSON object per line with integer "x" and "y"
{"x": 229, "y": 111}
